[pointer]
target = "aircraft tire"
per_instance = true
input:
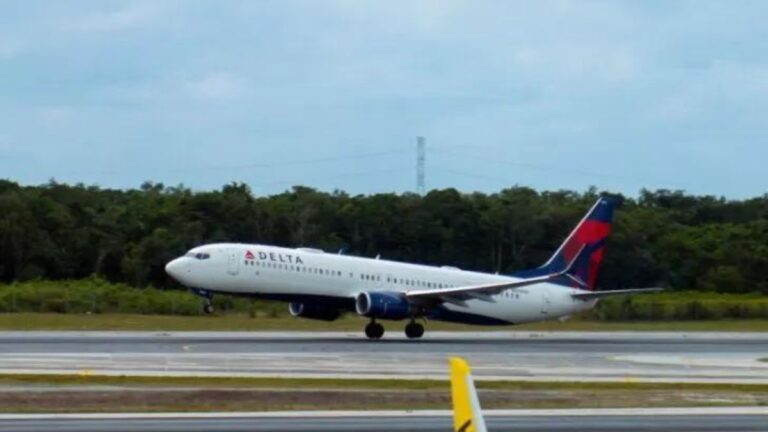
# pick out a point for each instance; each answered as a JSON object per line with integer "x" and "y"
{"x": 208, "y": 308}
{"x": 414, "y": 330}
{"x": 374, "y": 330}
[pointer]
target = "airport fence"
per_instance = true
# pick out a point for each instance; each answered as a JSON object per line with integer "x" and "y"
{"x": 682, "y": 305}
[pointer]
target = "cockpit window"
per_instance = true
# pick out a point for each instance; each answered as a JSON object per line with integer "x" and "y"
{"x": 198, "y": 255}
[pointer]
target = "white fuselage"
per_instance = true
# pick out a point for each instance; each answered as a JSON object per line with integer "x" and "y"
{"x": 285, "y": 273}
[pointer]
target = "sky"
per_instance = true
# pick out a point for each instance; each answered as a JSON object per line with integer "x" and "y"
{"x": 333, "y": 93}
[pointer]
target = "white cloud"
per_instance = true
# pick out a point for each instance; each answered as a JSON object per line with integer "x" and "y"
{"x": 427, "y": 16}
{"x": 54, "y": 115}
{"x": 218, "y": 86}
{"x": 705, "y": 94}
{"x": 9, "y": 48}
{"x": 129, "y": 17}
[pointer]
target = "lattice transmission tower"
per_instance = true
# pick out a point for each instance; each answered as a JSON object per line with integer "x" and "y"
{"x": 421, "y": 187}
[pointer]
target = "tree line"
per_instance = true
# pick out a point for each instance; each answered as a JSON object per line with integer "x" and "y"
{"x": 58, "y": 231}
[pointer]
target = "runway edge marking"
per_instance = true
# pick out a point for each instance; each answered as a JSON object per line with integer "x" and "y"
{"x": 708, "y": 411}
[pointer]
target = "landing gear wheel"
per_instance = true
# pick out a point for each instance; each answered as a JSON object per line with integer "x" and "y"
{"x": 208, "y": 308}
{"x": 207, "y": 299}
{"x": 374, "y": 330}
{"x": 414, "y": 330}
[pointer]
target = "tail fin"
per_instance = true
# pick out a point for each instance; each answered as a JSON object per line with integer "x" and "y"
{"x": 467, "y": 416}
{"x": 588, "y": 241}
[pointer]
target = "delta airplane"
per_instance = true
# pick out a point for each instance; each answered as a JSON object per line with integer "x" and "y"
{"x": 322, "y": 286}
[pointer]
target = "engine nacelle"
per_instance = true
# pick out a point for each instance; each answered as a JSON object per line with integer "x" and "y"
{"x": 385, "y": 305}
{"x": 310, "y": 311}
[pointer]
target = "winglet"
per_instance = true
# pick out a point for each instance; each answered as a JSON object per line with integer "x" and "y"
{"x": 467, "y": 416}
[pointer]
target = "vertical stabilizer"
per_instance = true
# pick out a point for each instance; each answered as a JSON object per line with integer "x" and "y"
{"x": 587, "y": 241}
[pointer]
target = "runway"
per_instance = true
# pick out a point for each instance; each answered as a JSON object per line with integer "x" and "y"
{"x": 735, "y": 420}
{"x": 534, "y": 356}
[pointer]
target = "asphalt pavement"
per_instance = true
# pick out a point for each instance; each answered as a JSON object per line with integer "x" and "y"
{"x": 309, "y": 422}
{"x": 535, "y": 356}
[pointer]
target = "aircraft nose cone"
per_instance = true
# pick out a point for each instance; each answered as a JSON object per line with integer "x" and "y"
{"x": 174, "y": 268}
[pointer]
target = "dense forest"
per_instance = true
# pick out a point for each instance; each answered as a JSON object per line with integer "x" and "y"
{"x": 58, "y": 231}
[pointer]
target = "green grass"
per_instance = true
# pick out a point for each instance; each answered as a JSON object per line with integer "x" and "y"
{"x": 243, "y": 322}
{"x": 355, "y": 384}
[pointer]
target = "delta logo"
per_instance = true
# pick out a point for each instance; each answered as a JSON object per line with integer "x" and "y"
{"x": 274, "y": 257}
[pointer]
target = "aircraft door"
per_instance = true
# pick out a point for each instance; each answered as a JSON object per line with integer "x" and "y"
{"x": 545, "y": 301}
{"x": 233, "y": 263}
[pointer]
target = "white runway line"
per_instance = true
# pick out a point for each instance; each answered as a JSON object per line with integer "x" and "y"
{"x": 707, "y": 411}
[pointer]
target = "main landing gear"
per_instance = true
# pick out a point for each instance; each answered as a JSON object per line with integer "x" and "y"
{"x": 414, "y": 330}
{"x": 375, "y": 330}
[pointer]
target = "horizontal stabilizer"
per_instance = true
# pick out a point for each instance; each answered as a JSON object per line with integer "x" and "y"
{"x": 600, "y": 294}
{"x": 482, "y": 291}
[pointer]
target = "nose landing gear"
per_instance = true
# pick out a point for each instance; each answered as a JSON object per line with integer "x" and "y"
{"x": 208, "y": 307}
{"x": 208, "y": 299}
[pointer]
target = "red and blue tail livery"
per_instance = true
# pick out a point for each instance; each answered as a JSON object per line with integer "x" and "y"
{"x": 585, "y": 245}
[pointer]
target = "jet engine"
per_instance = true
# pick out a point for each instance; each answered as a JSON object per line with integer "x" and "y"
{"x": 385, "y": 305}
{"x": 309, "y": 311}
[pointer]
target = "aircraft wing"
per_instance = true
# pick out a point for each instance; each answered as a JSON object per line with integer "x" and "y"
{"x": 589, "y": 295}
{"x": 457, "y": 295}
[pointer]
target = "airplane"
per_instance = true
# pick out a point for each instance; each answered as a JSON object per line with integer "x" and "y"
{"x": 467, "y": 415}
{"x": 322, "y": 286}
